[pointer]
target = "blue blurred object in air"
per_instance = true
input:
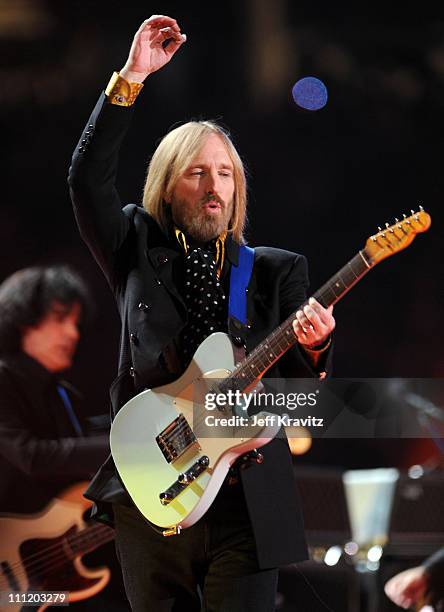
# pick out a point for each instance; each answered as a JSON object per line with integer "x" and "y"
{"x": 310, "y": 93}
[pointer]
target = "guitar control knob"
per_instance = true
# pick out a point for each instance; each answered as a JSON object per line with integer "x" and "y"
{"x": 165, "y": 498}
{"x": 204, "y": 461}
{"x": 186, "y": 478}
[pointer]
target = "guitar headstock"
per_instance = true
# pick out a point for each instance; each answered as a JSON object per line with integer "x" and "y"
{"x": 394, "y": 238}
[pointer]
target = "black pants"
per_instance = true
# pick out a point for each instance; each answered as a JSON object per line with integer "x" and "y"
{"x": 211, "y": 566}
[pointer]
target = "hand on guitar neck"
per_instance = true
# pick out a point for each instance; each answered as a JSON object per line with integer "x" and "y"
{"x": 313, "y": 327}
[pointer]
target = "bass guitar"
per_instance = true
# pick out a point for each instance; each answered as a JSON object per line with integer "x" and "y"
{"x": 43, "y": 552}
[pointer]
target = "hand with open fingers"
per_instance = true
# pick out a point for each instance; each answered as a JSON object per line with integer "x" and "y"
{"x": 149, "y": 51}
{"x": 408, "y": 587}
{"x": 313, "y": 324}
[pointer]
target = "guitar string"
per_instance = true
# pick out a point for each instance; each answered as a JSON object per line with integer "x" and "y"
{"x": 105, "y": 534}
{"x": 46, "y": 564}
{"x": 278, "y": 336}
{"x": 200, "y": 419}
{"x": 258, "y": 354}
{"x": 54, "y": 561}
{"x": 262, "y": 355}
{"x": 100, "y": 530}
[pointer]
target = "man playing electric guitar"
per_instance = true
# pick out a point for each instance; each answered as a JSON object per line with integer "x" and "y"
{"x": 170, "y": 265}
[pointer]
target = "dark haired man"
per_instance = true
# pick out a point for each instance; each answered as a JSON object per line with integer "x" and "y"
{"x": 157, "y": 261}
{"x": 42, "y": 434}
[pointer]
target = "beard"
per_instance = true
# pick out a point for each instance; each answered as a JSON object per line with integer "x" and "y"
{"x": 197, "y": 223}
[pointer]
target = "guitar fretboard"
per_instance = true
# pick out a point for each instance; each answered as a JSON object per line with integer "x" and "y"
{"x": 89, "y": 539}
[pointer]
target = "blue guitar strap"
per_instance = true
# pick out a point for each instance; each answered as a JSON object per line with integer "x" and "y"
{"x": 69, "y": 410}
{"x": 239, "y": 278}
{"x": 237, "y": 314}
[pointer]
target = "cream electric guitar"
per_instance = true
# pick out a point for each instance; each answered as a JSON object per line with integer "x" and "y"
{"x": 170, "y": 461}
{"x": 42, "y": 552}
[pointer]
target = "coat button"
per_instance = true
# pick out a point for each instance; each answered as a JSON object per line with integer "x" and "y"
{"x": 132, "y": 372}
{"x": 162, "y": 259}
{"x": 134, "y": 339}
{"x": 81, "y": 149}
{"x": 143, "y": 307}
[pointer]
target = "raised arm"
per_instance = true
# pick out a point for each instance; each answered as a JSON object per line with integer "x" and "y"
{"x": 154, "y": 44}
{"x": 92, "y": 176}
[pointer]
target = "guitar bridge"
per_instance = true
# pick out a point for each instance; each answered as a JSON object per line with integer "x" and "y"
{"x": 176, "y": 438}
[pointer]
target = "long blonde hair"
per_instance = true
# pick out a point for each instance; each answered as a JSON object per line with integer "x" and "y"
{"x": 174, "y": 155}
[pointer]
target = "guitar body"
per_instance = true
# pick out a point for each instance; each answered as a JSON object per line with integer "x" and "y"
{"x": 35, "y": 554}
{"x": 143, "y": 467}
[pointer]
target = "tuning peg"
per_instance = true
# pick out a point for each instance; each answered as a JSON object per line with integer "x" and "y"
{"x": 379, "y": 229}
{"x": 387, "y": 225}
{"x": 412, "y": 211}
{"x": 404, "y": 216}
{"x": 421, "y": 208}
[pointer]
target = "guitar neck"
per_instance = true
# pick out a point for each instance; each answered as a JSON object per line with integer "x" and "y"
{"x": 283, "y": 337}
{"x": 339, "y": 284}
{"x": 89, "y": 539}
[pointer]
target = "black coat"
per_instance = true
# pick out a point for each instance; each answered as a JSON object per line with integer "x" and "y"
{"x": 40, "y": 453}
{"x": 139, "y": 262}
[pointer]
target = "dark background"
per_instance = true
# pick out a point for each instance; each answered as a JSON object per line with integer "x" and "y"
{"x": 320, "y": 182}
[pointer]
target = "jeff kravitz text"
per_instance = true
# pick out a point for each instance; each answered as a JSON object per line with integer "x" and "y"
{"x": 241, "y": 402}
{"x": 283, "y": 420}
